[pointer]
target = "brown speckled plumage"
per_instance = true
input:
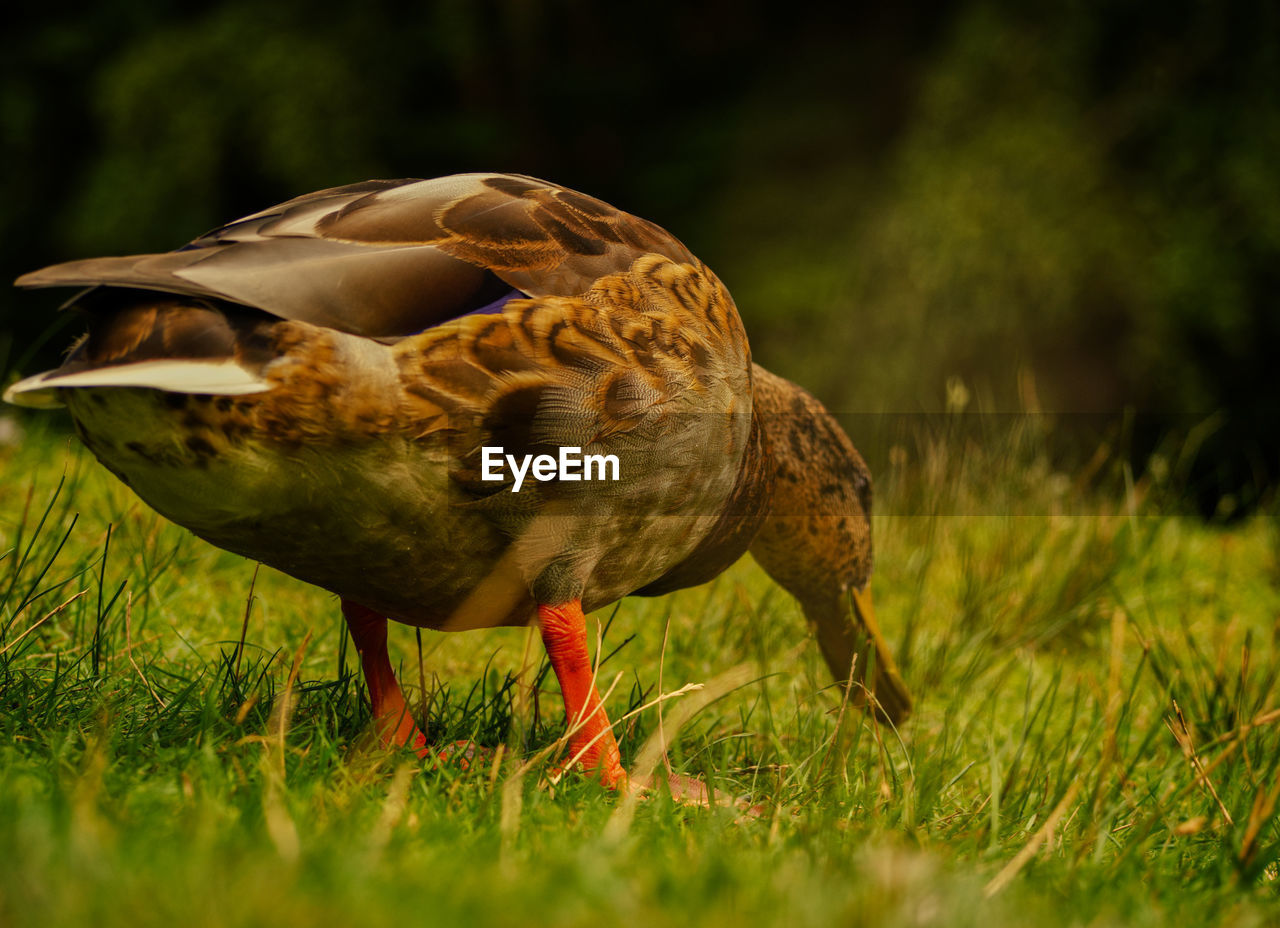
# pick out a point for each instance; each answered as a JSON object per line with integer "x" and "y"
{"x": 312, "y": 386}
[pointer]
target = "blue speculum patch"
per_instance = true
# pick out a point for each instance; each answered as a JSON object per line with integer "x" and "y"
{"x": 499, "y": 304}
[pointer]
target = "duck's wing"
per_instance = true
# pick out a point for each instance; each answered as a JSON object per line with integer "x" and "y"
{"x": 386, "y": 259}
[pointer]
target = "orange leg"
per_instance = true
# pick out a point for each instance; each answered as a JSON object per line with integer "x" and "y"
{"x": 564, "y": 634}
{"x": 390, "y": 713}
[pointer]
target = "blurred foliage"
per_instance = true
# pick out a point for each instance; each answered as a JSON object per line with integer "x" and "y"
{"x": 1070, "y": 206}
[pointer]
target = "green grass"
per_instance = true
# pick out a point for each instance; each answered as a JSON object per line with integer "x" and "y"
{"x": 149, "y": 774}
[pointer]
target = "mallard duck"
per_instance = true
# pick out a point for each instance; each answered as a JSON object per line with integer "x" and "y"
{"x": 469, "y": 402}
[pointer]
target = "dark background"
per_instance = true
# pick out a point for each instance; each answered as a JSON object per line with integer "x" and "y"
{"x": 1066, "y": 206}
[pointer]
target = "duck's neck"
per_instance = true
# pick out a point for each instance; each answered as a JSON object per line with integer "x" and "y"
{"x": 816, "y": 540}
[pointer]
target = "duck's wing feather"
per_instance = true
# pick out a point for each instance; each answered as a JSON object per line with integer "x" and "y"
{"x": 386, "y": 259}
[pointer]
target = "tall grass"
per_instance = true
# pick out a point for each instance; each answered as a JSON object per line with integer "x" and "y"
{"x": 1096, "y": 739}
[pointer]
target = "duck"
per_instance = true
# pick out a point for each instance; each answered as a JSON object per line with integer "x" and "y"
{"x": 469, "y": 402}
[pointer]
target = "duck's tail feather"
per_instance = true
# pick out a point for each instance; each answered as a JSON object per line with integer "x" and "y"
{"x": 215, "y": 377}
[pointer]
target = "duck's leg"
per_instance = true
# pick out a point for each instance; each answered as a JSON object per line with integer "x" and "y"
{"x": 564, "y": 634}
{"x": 390, "y": 712}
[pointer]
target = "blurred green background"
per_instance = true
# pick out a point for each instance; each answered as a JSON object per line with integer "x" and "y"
{"x": 1063, "y": 206}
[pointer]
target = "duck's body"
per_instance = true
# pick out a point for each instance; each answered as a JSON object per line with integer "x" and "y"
{"x": 315, "y": 387}
{"x": 361, "y": 446}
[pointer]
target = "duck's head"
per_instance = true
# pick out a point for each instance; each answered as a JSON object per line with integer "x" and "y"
{"x": 816, "y": 539}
